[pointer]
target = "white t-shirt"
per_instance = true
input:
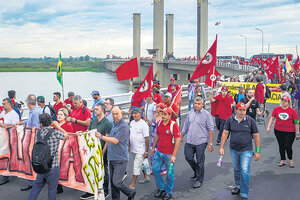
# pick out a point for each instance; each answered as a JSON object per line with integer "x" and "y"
{"x": 151, "y": 110}
{"x": 138, "y": 131}
{"x": 10, "y": 118}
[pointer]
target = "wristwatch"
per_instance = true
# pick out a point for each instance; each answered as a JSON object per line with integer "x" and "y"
{"x": 101, "y": 137}
{"x": 211, "y": 144}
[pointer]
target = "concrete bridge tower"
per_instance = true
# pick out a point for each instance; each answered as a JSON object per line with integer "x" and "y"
{"x": 169, "y": 33}
{"x": 202, "y": 27}
{"x": 137, "y": 40}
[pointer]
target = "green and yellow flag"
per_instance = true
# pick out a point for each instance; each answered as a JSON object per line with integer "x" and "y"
{"x": 59, "y": 70}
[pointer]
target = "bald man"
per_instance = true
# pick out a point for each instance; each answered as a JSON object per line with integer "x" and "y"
{"x": 118, "y": 155}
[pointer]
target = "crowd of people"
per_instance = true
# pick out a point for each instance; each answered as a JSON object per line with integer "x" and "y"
{"x": 153, "y": 135}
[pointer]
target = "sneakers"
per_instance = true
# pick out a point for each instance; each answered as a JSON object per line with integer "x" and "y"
{"x": 218, "y": 142}
{"x": 87, "y": 196}
{"x": 167, "y": 196}
{"x": 193, "y": 177}
{"x": 235, "y": 191}
{"x": 132, "y": 196}
{"x": 160, "y": 194}
{"x": 197, "y": 184}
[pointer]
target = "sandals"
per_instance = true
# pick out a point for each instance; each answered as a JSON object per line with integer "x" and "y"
{"x": 281, "y": 164}
{"x": 292, "y": 165}
{"x": 144, "y": 181}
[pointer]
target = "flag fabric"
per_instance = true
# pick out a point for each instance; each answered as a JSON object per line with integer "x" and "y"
{"x": 288, "y": 66}
{"x": 128, "y": 70}
{"x": 296, "y": 64}
{"x": 207, "y": 62}
{"x": 289, "y": 58}
{"x": 212, "y": 77}
{"x": 144, "y": 90}
{"x": 272, "y": 69}
{"x": 177, "y": 98}
{"x": 59, "y": 71}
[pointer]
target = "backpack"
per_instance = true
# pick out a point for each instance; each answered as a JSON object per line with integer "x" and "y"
{"x": 268, "y": 92}
{"x": 41, "y": 154}
{"x": 171, "y": 129}
{"x": 52, "y": 111}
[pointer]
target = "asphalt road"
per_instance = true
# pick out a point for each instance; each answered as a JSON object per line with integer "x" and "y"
{"x": 268, "y": 181}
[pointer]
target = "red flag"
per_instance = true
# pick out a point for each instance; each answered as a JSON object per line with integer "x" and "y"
{"x": 212, "y": 77}
{"x": 272, "y": 69}
{"x": 296, "y": 64}
{"x": 128, "y": 70}
{"x": 144, "y": 90}
{"x": 207, "y": 62}
{"x": 177, "y": 98}
{"x": 289, "y": 57}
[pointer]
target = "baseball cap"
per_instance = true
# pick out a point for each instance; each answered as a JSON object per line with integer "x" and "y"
{"x": 137, "y": 110}
{"x": 161, "y": 105}
{"x": 225, "y": 88}
{"x": 286, "y": 98}
{"x": 40, "y": 99}
{"x": 156, "y": 85}
{"x": 95, "y": 92}
{"x": 167, "y": 110}
{"x": 168, "y": 94}
{"x": 172, "y": 79}
{"x": 241, "y": 106}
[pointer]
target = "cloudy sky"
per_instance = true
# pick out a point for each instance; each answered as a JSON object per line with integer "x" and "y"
{"x": 37, "y": 28}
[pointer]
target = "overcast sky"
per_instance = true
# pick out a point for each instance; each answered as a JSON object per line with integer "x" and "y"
{"x": 38, "y": 28}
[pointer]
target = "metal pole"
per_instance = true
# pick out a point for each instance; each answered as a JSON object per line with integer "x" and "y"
{"x": 245, "y": 45}
{"x": 262, "y": 39}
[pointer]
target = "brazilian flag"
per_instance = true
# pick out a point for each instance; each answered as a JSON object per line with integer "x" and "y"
{"x": 59, "y": 70}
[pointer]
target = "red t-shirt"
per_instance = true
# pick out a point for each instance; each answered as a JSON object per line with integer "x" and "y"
{"x": 285, "y": 119}
{"x": 1, "y": 109}
{"x": 69, "y": 103}
{"x": 78, "y": 114}
{"x": 165, "y": 144}
{"x": 157, "y": 98}
{"x": 169, "y": 87}
{"x": 58, "y": 106}
{"x": 67, "y": 127}
{"x": 175, "y": 109}
{"x": 223, "y": 106}
{"x": 260, "y": 93}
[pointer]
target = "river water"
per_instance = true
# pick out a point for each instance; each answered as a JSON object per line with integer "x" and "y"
{"x": 45, "y": 83}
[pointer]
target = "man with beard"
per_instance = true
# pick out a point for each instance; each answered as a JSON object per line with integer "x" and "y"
{"x": 251, "y": 104}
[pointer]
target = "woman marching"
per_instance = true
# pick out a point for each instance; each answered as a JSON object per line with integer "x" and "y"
{"x": 286, "y": 125}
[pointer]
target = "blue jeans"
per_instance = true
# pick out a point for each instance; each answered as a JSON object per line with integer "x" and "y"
{"x": 158, "y": 161}
{"x": 51, "y": 178}
{"x": 241, "y": 167}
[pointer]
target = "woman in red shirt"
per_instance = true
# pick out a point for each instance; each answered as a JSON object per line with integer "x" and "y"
{"x": 287, "y": 123}
{"x": 62, "y": 114}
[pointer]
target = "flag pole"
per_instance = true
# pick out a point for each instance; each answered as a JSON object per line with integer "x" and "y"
{"x": 212, "y": 83}
{"x": 62, "y": 87}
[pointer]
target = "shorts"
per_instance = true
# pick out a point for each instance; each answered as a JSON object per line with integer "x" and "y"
{"x": 137, "y": 163}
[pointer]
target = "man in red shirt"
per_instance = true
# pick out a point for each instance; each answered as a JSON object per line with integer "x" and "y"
{"x": 68, "y": 104}
{"x": 223, "y": 104}
{"x": 156, "y": 98}
{"x": 58, "y": 104}
{"x": 259, "y": 94}
{"x": 172, "y": 81}
{"x": 168, "y": 139}
{"x": 80, "y": 116}
{"x": 174, "y": 106}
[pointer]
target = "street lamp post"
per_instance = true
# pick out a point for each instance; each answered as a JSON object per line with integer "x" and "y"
{"x": 245, "y": 45}
{"x": 262, "y": 39}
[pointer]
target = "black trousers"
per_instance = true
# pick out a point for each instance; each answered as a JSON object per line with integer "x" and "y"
{"x": 285, "y": 141}
{"x": 220, "y": 123}
{"x": 117, "y": 171}
{"x": 106, "y": 175}
{"x": 197, "y": 165}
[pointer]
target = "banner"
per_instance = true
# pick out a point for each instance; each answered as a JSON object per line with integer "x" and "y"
{"x": 274, "y": 88}
{"x": 80, "y": 159}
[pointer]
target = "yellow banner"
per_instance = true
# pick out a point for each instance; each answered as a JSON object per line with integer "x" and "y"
{"x": 275, "y": 91}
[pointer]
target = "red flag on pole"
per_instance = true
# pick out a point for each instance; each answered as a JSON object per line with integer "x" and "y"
{"x": 144, "y": 90}
{"x": 128, "y": 70}
{"x": 296, "y": 64}
{"x": 272, "y": 69}
{"x": 212, "y": 77}
{"x": 207, "y": 62}
{"x": 177, "y": 98}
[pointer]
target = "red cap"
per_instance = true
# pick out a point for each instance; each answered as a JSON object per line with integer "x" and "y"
{"x": 167, "y": 110}
{"x": 225, "y": 88}
{"x": 156, "y": 85}
{"x": 172, "y": 79}
{"x": 241, "y": 106}
{"x": 161, "y": 105}
{"x": 286, "y": 98}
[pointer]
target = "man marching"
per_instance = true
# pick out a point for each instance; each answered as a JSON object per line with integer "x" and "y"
{"x": 242, "y": 128}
